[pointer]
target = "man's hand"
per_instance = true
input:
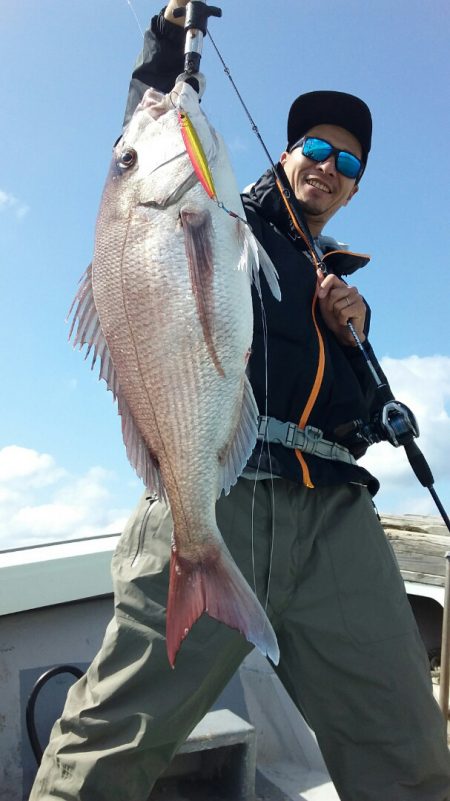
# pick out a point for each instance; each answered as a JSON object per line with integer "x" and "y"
{"x": 338, "y": 304}
{"x": 170, "y": 8}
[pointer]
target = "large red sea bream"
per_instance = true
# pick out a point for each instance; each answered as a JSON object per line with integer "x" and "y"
{"x": 166, "y": 307}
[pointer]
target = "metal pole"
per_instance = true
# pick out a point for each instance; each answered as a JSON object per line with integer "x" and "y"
{"x": 445, "y": 646}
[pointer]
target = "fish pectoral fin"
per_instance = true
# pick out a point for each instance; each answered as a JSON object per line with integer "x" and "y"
{"x": 236, "y": 456}
{"x": 88, "y": 331}
{"x": 197, "y": 229}
{"x": 217, "y": 587}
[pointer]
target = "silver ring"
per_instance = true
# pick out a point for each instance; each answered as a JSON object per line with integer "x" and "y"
{"x": 348, "y": 302}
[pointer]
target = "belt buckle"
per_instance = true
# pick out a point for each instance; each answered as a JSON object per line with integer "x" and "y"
{"x": 313, "y": 437}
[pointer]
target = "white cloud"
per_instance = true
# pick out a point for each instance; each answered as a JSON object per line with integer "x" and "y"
{"x": 8, "y": 496}
{"x": 42, "y": 502}
{"x": 48, "y": 519}
{"x": 423, "y": 383}
{"x": 237, "y": 145}
{"x": 9, "y": 202}
{"x": 17, "y": 463}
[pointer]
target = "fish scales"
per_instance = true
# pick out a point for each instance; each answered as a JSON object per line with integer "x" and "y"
{"x": 170, "y": 283}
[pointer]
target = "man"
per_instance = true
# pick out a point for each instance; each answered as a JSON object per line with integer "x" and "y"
{"x": 351, "y": 656}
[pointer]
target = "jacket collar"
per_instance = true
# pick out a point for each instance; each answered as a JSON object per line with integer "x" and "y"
{"x": 264, "y": 197}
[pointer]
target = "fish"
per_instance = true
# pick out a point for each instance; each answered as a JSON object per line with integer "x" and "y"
{"x": 166, "y": 309}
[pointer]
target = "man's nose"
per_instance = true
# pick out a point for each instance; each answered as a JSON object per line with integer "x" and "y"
{"x": 328, "y": 165}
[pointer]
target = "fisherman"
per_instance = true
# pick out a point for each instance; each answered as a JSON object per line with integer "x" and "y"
{"x": 351, "y": 657}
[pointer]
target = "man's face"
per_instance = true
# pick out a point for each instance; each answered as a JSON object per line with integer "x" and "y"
{"x": 319, "y": 187}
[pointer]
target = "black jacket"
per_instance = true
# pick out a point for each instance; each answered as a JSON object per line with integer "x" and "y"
{"x": 344, "y": 390}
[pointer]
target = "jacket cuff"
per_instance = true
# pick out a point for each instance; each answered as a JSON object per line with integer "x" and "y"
{"x": 163, "y": 29}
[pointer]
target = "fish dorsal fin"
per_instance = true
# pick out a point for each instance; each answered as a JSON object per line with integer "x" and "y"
{"x": 89, "y": 332}
{"x": 243, "y": 442}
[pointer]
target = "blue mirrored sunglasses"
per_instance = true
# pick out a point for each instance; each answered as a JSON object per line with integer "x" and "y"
{"x": 320, "y": 150}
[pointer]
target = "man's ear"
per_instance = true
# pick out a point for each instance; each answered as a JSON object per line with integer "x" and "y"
{"x": 352, "y": 193}
{"x": 283, "y": 156}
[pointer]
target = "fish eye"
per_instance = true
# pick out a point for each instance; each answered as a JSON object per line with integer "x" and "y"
{"x": 127, "y": 158}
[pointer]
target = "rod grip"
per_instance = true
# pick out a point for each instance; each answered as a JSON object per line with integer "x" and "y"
{"x": 419, "y": 464}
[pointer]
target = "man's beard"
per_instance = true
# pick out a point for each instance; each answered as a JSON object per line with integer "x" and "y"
{"x": 310, "y": 209}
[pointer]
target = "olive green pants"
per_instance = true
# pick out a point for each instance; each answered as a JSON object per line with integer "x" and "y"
{"x": 351, "y": 656}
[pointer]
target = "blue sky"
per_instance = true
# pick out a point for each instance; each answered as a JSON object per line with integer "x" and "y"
{"x": 63, "y": 85}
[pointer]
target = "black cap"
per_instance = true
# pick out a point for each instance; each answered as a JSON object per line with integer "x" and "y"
{"x": 330, "y": 108}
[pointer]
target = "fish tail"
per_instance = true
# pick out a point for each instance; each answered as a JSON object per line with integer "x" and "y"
{"x": 217, "y": 587}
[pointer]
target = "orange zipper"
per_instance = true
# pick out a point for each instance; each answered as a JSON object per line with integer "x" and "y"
{"x": 321, "y": 363}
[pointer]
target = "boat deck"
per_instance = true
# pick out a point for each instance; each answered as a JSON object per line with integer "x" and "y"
{"x": 63, "y": 591}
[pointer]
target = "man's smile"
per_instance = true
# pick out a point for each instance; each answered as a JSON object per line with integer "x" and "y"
{"x": 317, "y": 184}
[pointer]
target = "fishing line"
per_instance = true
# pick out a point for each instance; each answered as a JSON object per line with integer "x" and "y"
{"x": 241, "y": 100}
{"x": 199, "y": 162}
{"x": 128, "y": 2}
{"x": 272, "y": 533}
{"x": 415, "y": 457}
{"x": 255, "y": 129}
{"x": 281, "y": 180}
{"x": 196, "y": 153}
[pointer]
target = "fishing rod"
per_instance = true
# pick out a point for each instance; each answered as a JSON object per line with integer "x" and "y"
{"x": 394, "y": 422}
{"x": 196, "y": 14}
{"x": 295, "y": 213}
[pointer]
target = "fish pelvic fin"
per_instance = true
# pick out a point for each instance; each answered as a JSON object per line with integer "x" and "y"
{"x": 254, "y": 258}
{"x": 216, "y": 586}
{"x": 237, "y": 454}
{"x": 197, "y": 231}
{"x": 139, "y": 455}
{"x": 86, "y": 330}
